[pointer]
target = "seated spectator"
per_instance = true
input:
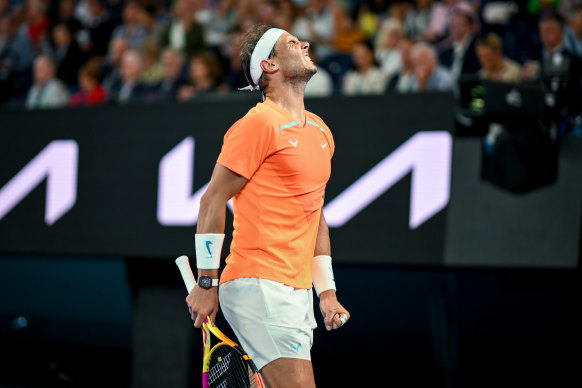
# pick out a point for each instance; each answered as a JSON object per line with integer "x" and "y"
{"x": 223, "y": 18}
{"x": 402, "y": 81}
{"x": 111, "y": 68}
{"x": 317, "y": 25}
{"x": 16, "y": 58}
{"x": 95, "y": 37}
{"x": 129, "y": 89}
{"x": 67, "y": 54}
{"x": 429, "y": 76}
{"x": 347, "y": 32}
{"x": 148, "y": 19}
{"x": 91, "y": 92}
{"x": 66, "y": 15}
{"x": 152, "y": 72}
{"x": 387, "y": 50}
{"x": 184, "y": 33}
{"x": 461, "y": 58}
{"x": 205, "y": 77}
{"x": 367, "y": 78}
{"x": 47, "y": 91}
{"x": 173, "y": 76}
{"x": 234, "y": 76}
{"x": 418, "y": 17}
{"x": 493, "y": 65}
{"x": 131, "y": 29}
{"x": 321, "y": 83}
{"x": 37, "y": 21}
{"x": 573, "y": 31}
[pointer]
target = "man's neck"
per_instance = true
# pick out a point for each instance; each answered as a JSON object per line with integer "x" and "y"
{"x": 289, "y": 97}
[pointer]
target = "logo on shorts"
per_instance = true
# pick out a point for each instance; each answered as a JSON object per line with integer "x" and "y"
{"x": 296, "y": 348}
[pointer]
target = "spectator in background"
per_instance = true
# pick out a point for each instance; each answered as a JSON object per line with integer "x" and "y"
{"x": 95, "y": 37}
{"x": 321, "y": 83}
{"x": 347, "y": 32}
{"x": 37, "y": 21}
{"x": 131, "y": 29}
{"x": 111, "y": 68}
{"x": 66, "y": 15}
{"x": 402, "y": 81}
{"x": 205, "y": 76}
{"x": 317, "y": 25}
{"x": 429, "y": 76}
{"x": 573, "y": 31}
{"x": 67, "y": 54}
{"x": 493, "y": 65}
{"x": 184, "y": 33}
{"x": 16, "y": 57}
{"x": 418, "y": 17}
{"x": 152, "y": 72}
{"x": 148, "y": 19}
{"x": 387, "y": 50}
{"x": 47, "y": 91}
{"x": 223, "y": 18}
{"x": 129, "y": 89}
{"x": 461, "y": 58}
{"x": 173, "y": 76}
{"x": 90, "y": 90}
{"x": 367, "y": 78}
{"x": 234, "y": 76}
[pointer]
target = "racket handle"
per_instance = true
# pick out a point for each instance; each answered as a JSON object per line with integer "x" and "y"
{"x": 187, "y": 275}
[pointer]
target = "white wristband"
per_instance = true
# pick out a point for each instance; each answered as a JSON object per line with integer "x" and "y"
{"x": 322, "y": 274}
{"x": 208, "y": 249}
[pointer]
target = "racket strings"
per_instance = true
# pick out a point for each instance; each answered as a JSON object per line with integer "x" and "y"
{"x": 229, "y": 369}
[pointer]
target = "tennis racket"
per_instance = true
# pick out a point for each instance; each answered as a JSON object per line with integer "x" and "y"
{"x": 226, "y": 364}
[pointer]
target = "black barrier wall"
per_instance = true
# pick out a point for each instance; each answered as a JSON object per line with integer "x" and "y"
{"x": 126, "y": 181}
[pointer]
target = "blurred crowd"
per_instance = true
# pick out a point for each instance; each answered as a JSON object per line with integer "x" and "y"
{"x": 56, "y": 53}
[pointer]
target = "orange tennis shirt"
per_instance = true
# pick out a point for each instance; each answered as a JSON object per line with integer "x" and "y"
{"x": 276, "y": 214}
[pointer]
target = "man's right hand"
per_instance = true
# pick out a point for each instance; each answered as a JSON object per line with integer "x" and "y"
{"x": 202, "y": 303}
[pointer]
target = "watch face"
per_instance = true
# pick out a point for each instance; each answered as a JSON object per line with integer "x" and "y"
{"x": 205, "y": 282}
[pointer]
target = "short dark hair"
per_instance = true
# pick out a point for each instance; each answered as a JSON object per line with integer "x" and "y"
{"x": 548, "y": 15}
{"x": 249, "y": 42}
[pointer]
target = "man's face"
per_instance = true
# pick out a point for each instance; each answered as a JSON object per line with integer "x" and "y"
{"x": 488, "y": 57}
{"x": 171, "y": 64}
{"x": 550, "y": 34}
{"x": 423, "y": 64}
{"x": 130, "y": 67}
{"x": 293, "y": 59}
{"x": 460, "y": 27}
{"x": 363, "y": 57}
{"x": 44, "y": 71}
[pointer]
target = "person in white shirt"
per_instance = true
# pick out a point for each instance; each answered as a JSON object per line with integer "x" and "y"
{"x": 47, "y": 91}
{"x": 367, "y": 78}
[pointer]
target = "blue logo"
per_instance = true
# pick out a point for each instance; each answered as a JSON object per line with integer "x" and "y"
{"x": 208, "y": 247}
{"x": 296, "y": 348}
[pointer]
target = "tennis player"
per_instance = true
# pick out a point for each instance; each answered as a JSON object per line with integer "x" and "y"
{"x": 275, "y": 163}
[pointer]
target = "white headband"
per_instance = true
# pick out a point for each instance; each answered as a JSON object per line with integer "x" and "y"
{"x": 262, "y": 51}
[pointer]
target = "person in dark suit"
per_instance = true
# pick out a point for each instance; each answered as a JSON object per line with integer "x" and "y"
{"x": 129, "y": 89}
{"x": 460, "y": 58}
{"x": 174, "y": 76}
{"x": 67, "y": 54}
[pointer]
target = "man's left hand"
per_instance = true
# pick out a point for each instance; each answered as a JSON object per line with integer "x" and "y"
{"x": 332, "y": 310}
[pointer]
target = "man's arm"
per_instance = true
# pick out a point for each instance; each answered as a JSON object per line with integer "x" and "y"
{"x": 328, "y": 304}
{"x": 223, "y": 185}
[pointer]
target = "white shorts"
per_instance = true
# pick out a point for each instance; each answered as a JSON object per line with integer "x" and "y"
{"x": 271, "y": 320}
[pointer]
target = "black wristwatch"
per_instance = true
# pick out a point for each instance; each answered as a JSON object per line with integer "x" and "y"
{"x": 207, "y": 282}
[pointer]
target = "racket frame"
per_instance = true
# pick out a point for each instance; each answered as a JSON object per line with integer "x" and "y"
{"x": 208, "y": 327}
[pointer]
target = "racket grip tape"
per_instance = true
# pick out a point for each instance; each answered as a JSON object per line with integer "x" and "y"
{"x": 184, "y": 266}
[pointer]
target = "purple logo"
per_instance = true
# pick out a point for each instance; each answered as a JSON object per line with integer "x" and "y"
{"x": 177, "y": 205}
{"x": 427, "y": 155}
{"x": 57, "y": 162}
